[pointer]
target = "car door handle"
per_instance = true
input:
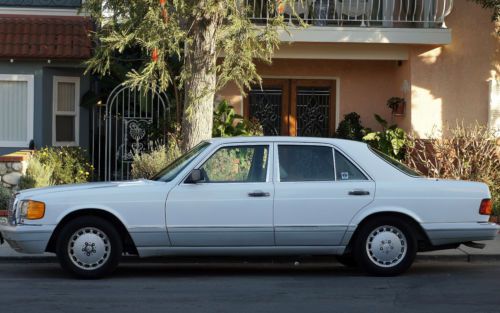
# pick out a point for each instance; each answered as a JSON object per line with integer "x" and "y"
{"x": 259, "y": 194}
{"x": 359, "y": 193}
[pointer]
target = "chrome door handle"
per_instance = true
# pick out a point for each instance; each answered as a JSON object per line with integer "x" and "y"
{"x": 359, "y": 193}
{"x": 259, "y": 194}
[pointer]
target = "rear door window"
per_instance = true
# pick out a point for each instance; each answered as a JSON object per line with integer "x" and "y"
{"x": 305, "y": 163}
{"x": 346, "y": 170}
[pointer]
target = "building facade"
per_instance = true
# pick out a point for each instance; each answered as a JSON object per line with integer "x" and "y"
{"x": 42, "y": 48}
{"x": 441, "y": 56}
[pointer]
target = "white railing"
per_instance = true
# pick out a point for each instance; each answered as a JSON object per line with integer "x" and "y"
{"x": 372, "y": 13}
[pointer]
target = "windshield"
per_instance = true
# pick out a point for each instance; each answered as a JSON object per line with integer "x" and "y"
{"x": 400, "y": 166}
{"x": 174, "y": 168}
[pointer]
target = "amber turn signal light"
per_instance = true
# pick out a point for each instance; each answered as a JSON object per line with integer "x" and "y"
{"x": 35, "y": 210}
{"x": 486, "y": 207}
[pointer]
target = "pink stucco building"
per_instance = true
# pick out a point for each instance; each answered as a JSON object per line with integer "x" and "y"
{"x": 441, "y": 56}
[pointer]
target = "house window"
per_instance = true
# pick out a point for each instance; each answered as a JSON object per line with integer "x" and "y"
{"x": 16, "y": 110}
{"x": 66, "y": 99}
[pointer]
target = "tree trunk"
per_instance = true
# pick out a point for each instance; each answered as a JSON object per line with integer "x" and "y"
{"x": 200, "y": 64}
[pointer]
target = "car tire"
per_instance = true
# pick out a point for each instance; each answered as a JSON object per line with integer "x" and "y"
{"x": 347, "y": 260}
{"x": 89, "y": 247}
{"x": 385, "y": 246}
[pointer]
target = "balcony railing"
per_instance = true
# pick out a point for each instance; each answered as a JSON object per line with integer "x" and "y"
{"x": 367, "y": 13}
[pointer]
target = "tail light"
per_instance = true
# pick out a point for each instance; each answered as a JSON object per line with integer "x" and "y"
{"x": 486, "y": 207}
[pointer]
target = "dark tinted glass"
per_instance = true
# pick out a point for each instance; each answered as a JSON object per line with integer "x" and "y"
{"x": 346, "y": 170}
{"x": 305, "y": 163}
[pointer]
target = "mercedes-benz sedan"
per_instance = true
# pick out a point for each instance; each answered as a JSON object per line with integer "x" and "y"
{"x": 256, "y": 196}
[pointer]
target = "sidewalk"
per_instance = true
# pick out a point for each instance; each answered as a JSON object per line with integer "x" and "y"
{"x": 463, "y": 254}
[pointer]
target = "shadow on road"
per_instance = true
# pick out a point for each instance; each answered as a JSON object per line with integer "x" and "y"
{"x": 164, "y": 270}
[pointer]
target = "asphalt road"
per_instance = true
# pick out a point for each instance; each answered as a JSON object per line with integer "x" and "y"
{"x": 428, "y": 287}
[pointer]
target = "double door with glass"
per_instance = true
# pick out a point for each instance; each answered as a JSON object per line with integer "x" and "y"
{"x": 293, "y": 107}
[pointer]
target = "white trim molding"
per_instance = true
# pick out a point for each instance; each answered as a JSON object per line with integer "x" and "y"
{"x": 30, "y": 80}
{"x": 76, "y": 113}
{"x": 41, "y": 11}
{"x": 426, "y": 36}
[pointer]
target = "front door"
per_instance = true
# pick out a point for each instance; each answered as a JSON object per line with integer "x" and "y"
{"x": 232, "y": 207}
{"x": 293, "y": 107}
{"x": 318, "y": 190}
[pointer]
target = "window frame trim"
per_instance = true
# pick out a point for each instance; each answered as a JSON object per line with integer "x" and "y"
{"x": 30, "y": 114}
{"x": 76, "y": 114}
{"x": 334, "y": 148}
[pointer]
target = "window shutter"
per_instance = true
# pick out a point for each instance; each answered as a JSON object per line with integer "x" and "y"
{"x": 494, "y": 109}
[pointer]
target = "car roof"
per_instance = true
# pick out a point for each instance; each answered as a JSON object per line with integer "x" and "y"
{"x": 284, "y": 139}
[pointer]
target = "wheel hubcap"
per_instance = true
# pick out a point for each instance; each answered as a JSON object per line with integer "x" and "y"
{"x": 89, "y": 248}
{"x": 386, "y": 246}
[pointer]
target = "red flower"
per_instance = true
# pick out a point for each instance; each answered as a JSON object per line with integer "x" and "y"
{"x": 162, "y": 2}
{"x": 154, "y": 55}
{"x": 281, "y": 7}
{"x": 164, "y": 14}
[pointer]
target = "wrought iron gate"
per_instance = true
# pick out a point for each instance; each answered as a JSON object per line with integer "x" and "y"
{"x": 131, "y": 121}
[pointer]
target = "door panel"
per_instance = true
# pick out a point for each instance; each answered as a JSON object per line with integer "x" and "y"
{"x": 269, "y": 105}
{"x": 312, "y": 108}
{"x": 224, "y": 211}
{"x": 315, "y": 212}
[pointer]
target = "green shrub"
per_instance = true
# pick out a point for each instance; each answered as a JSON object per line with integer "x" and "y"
{"x": 70, "y": 164}
{"x": 392, "y": 140}
{"x": 37, "y": 175}
{"x": 57, "y": 166}
{"x": 350, "y": 128}
{"x": 229, "y": 124}
{"x": 148, "y": 164}
{"x": 5, "y": 195}
{"x": 460, "y": 152}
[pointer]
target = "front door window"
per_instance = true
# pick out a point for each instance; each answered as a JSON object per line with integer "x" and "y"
{"x": 237, "y": 164}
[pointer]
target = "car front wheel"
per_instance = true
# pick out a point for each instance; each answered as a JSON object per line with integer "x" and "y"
{"x": 89, "y": 247}
{"x": 385, "y": 246}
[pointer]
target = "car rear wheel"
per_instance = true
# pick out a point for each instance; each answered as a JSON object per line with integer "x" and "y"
{"x": 385, "y": 246}
{"x": 89, "y": 247}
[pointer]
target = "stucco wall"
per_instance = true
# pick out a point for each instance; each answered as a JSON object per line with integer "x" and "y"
{"x": 43, "y": 75}
{"x": 450, "y": 83}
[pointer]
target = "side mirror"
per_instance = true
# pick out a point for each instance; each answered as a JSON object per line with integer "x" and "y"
{"x": 196, "y": 176}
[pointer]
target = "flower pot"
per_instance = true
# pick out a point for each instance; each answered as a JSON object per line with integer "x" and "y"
{"x": 399, "y": 110}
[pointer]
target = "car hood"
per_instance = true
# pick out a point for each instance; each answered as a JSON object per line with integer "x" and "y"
{"x": 29, "y": 193}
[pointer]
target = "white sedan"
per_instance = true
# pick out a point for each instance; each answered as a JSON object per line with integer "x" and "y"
{"x": 256, "y": 196}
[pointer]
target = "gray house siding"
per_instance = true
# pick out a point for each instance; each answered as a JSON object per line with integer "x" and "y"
{"x": 43, "y": 81}
{"x": 42, "y": 3}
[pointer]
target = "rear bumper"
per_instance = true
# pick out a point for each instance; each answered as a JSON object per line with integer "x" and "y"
{"x": 27, "y": 239}
{"x": 449, "y": 233}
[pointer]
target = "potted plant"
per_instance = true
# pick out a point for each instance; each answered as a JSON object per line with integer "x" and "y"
{"x": 397, "y": 105}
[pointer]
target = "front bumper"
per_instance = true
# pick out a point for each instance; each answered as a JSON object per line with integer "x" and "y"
{"x": 449, "y": 233}
{"x": 26, "y": 238}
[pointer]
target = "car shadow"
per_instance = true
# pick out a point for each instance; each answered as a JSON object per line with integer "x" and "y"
{"x": 181, "y": 268}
